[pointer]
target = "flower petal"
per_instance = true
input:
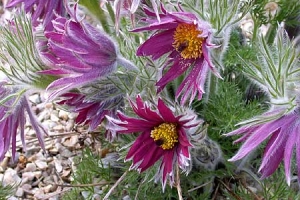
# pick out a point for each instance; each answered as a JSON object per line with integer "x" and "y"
{"x": 157, "y": 45}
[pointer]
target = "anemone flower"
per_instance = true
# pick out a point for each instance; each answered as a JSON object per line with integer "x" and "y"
{"x": 164, "y": 137}
{"x": 186, "y": 40}
{"x": 282, "y": 135}
{"x": 13, "y": 119}
{"x": 92, "y": 111}
{"x": 41, "y": 10}
{"x": 79, "y": 54}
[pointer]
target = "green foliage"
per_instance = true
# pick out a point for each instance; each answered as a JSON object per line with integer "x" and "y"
{"x": 6, "y": 191}
{"x": 224, "y": 110}
{"x": 96, "y": 11}
{"x": 20, "y": 53}
{"x": 89, "y": 170}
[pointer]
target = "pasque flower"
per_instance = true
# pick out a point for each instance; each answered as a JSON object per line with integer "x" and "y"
{"x": 92, "y": 108}
{"x": 13, "y": 118}
{"x": 163, "y": 136}
{"x": 42, "y": 10}
{"x": 79, "y": 54}
{"x": 283, "y": 137}
{"x": 186, "y": 40}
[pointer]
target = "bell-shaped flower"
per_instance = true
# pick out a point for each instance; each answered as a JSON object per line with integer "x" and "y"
{"x": 282, "y": 136}
{"x": 42, "y": 11}
{"x": 13, "y": 111}
{"x": 79, "y": 53}
{"x": 93, "y": 102}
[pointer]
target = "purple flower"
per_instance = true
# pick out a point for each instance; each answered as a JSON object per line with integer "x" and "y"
{"x": 42, "y": 10}
{"x": 282, "y": 135}
{"x": 80, "y": 54}
{"x": 13, "y": 119}
{"x": 93, "y": 111}
{"x": 164, "y": 137}
{"x": 186, "y": 40}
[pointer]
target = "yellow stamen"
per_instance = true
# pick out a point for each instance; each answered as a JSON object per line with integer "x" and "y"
{"x": 187, "y": 41}
{"x": 165, "y": 135}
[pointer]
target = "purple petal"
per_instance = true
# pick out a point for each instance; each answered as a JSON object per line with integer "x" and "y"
{"x": 298, "y": 154}
{"x": 273, "y": 154}
{"x": 142, "y": 110}
{"x": 165, "y": 112}
{"x": 176, "y": 70}
{"x": 288, "y": 151}
{"x": 141, "y": 140}
{"x": 135, "y": 125}
{"x": 167, "y": 165}
{"x": 157, "y": 45}
{"x": 262, "y": 133}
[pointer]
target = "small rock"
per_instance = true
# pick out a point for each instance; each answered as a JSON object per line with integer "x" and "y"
{"x": 49, "y": 124}
{"x": 29, "y": 175}
{"x": 24, "y": 180}
{"x": 12, "y": 198}
{"x": 71, "y": 142}
{"x": 53, "y": 150}
{"x": 48, "y": 105}
{"x": 26, "y": 187}
{"x": 58, "y": 165}
{"x": 54, "y": 117}
{"x": 48, "y": 180}
{"x": 70, "y": 125}
{"x": 30, "y": 167}
{"x": 63, "y": 115}
{"x": 37, "y": 174}
{"x": 66, "y": 173}
{"x": 47, "y": 189}
{"x": 41, "y": 164}
{"x": 11, "y": 177}
{"x": 58, "y": 128}
{"x": 19, "y": 192}
{"x": 42, "y": 116}
{"x": 66, "y": 153}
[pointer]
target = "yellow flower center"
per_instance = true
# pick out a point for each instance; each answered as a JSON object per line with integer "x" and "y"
{"x": 187, "y": 41}
{"x": 165, "y": 135}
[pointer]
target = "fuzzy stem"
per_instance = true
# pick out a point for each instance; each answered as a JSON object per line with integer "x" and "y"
{"x": 212, "y": 82}
{"x": 179, "y": 191}
{"x": 115, "y": 185}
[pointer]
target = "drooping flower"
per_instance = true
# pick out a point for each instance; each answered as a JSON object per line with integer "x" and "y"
{"x": 186, "y": 40}
{"x": 283, "y": 137}
{"x": 79, "y": 54}
{"x": 42, "y": 10}
{"x": 13, "y": 118}
{"x": 164, "y": 137}
{"x": 93, "y": 102}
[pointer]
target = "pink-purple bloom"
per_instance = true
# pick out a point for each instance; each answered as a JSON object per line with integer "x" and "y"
{"x": 42, "y": 10}
{"x": 186, "y": 40}
{"x": 79, "y": 54}
{"x": 164, "y": 137}
{"x": 13, "y": 119}
{"x": 93, "y": 111}
{"x": 283, "y": 137}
